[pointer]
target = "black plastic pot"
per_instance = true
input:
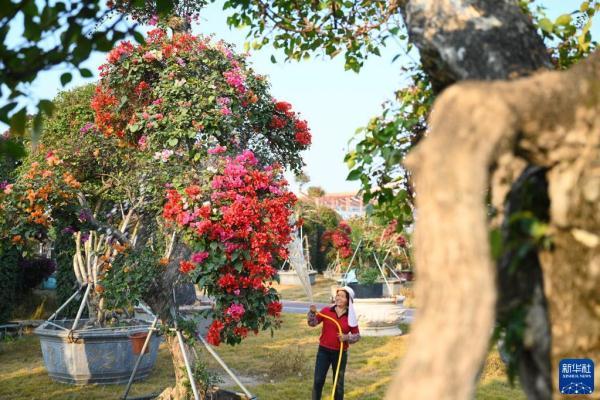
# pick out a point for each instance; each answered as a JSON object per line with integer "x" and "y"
{"x": 367, "y": 291}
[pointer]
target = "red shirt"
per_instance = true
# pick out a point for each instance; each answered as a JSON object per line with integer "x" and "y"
{"x": 329, "y": 335}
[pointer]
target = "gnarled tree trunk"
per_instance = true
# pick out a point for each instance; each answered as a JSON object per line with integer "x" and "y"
{"x": 482, "y": 40}
{"x": 161, "y": 300}
{"x": 181, "y": 390}
{"x": 553, "y": 119}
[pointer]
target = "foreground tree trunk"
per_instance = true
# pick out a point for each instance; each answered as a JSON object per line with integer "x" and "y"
{"x": 554, "y": 120}
{"x": 482, "y": 40}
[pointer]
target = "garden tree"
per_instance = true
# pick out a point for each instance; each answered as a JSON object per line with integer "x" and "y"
{"x": 178, "y": 177}
{"x": 361, "y": 240}
{"x": 64, "y": 34}
{"x": 315, "y": 221}
{"x": 53, "y": 34}
{"x": 315, "y": 192}
{"x": 302, "y": 179}
{"x": 494, "y": 127}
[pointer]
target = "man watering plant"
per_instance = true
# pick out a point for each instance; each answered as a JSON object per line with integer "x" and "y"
{"x": 340, "y": 328}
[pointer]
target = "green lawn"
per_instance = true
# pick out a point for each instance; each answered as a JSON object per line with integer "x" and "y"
{"x": 276, "y": 368}
{"x": 321, "y": 291}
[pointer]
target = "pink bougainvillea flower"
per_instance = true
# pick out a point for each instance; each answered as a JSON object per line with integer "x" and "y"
{"x": 199, "y": 257}
{"x": 217, "y": 150}
{"x": 143, "y": 142}
{"x": 236, "y": 311}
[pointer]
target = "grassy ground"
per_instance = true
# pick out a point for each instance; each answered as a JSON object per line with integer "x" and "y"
{"x": 321, "y": 291}
{"x": 274, "y": 368}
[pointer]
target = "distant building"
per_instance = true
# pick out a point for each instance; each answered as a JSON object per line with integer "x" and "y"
{"x": 347, "y": 205}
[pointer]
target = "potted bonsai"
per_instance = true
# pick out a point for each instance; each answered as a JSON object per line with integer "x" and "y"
{"x": 177, "y": 176}
{"x": 369, "y": 283}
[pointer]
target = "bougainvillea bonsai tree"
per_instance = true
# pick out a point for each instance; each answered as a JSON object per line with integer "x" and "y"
{"x": 368, "y": 246}
{"x": 337, "y": 243}
{"x": 178, "y": 178}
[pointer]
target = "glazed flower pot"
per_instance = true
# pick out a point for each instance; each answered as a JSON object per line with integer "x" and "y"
{"x": 103, "y": 355}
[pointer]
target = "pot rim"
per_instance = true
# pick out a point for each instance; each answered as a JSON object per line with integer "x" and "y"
{"x": 50, "y": 330}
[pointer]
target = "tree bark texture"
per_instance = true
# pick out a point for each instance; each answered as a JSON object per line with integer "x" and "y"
{"x": 160, "y": 300}
{"x": 181, "y": 390}
{"x": 473, "y": 39}
{"x": 483, "y": 40}
{"x": 553, "y": 120}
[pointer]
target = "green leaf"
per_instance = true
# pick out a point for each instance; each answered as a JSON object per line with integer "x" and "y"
{"x": 66, "y": 78}
{"x": 86, "y": 73}
{"x": 354, "y": 175}
{"x": 47, "y": 106}
{"x": 584, "y": 6}
{"x": 563, "y": 20}
{"x": 273, "y": 60}
{"x": 17, "y": 121}
{"x": 546, "y": 25}
{"x": 37, "y": 128}
{"x": 15, "y": 149}
{"x": 173, "y": 142}
{"x": 139, "y": 37}
{"x": 164, "y": 7}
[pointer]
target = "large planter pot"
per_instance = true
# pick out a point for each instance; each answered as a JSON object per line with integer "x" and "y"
{"x": 367, "y": 291}
{"x": 291, "y": 278}
{"x": 336, "y": 276}
{"x": 94, "y": 356}
{"x": 394, "y": 288}
{"x": 379, "y": 317}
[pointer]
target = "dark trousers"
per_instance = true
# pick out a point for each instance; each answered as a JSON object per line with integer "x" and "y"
{"x": 325, "y": 358}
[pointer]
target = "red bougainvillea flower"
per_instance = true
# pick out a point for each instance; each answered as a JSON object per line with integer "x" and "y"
{"x": 274, "y": 308}
{"x": 124, "y": 49}
{"x": 283, "y": 106}
{"x": 186, "y": 266}
{"x": 217, "y": 150}
{"x": 401, "y": 241}
{"x": 239, "y": 234}
{"x": 304, "y": 138}
{"x": 277, "y": 122}
{"x": 339, "y": 238}
{"x": 214, "y": 333}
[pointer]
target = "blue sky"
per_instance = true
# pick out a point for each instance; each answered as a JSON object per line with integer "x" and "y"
{"x": 333, "y": 101}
